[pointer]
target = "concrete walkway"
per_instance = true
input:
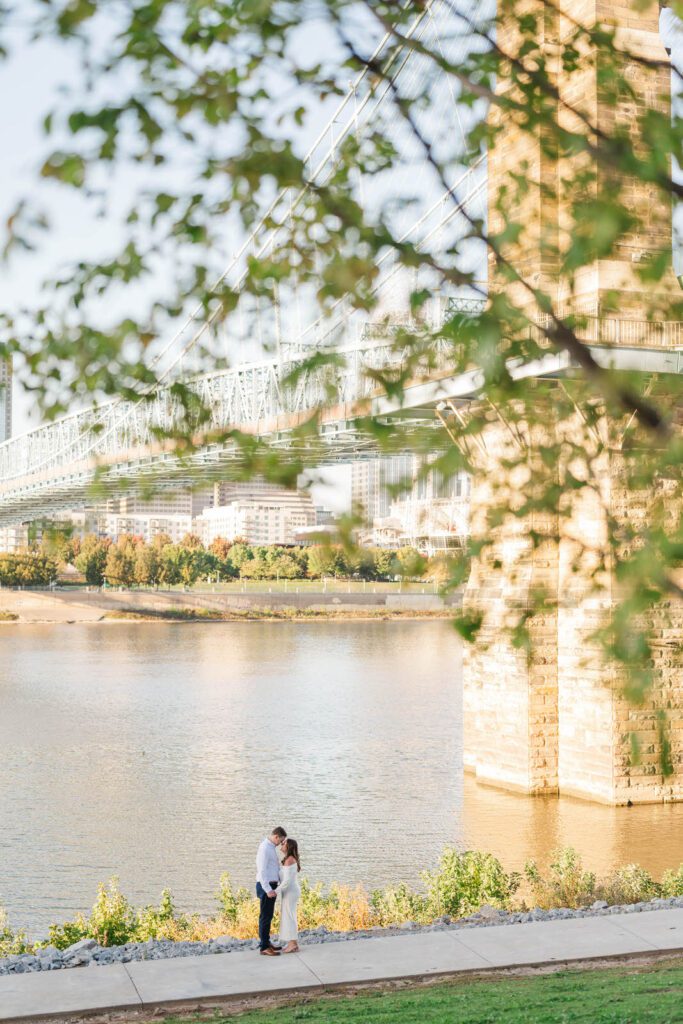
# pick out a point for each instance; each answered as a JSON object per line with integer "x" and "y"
{"x": 153, "y": 983}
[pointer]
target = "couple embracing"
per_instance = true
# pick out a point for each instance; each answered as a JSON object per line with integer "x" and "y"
{"x": 277, "y": 868}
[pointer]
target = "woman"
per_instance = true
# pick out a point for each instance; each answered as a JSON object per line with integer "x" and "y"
{"x": 290, "y": 891}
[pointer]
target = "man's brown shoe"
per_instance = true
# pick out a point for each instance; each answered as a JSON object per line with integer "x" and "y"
{"x": 270, "y": 952}
{"x": 273, "y": 946}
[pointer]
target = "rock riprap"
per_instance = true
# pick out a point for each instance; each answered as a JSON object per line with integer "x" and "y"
{"x": 87, "y": 953}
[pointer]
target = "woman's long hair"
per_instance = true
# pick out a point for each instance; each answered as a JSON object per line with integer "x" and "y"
{"x": 292, "y": 850}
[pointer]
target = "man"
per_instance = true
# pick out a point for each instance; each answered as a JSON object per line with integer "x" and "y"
{"x": 267, "y": 880}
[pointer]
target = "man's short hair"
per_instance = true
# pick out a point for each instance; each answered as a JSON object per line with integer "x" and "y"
{"x": 279, "y": 831}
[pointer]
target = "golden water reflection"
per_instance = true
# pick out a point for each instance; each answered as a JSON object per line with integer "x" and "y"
{"x": 517, "y": 828}
{"x": 161, "y": 753}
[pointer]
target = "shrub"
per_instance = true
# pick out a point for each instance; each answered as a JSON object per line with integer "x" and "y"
{"x": 464, "y": 881}
{"x": 11, "y": 943}
{"x": 565, "y": 884}
{"x": 112, "y": 921}
{"x": 459, "y": 886}
{"x": 630, "y": 884}
{"x": 64, "y": 935}
{"x": 230, "y": 901}
{"x": 672, "y": 882}
{"x": 398, "y": 904}
{"x": 160, "y": 922}
{"x": 246, "y": 922}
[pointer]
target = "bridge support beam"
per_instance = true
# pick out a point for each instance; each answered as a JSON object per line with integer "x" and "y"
{"x": 554, "y": 718}
{"x": 544, "y": 711}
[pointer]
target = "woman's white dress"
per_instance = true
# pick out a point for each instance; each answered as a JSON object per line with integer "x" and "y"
{"x": 289, "y": 890}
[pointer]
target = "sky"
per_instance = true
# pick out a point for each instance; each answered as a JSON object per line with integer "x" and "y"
{"x": 29, "y": 81}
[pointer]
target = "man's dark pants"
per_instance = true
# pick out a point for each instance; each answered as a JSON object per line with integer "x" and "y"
{"x": 265, "y": 918}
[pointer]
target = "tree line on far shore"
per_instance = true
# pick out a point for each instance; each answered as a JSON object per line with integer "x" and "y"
{"x": 130, "y": 561}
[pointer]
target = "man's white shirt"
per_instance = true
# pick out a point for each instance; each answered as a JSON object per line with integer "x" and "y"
{"x": 267, "y": 864}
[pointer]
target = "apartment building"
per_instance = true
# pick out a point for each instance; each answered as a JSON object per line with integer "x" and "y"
{"x": 273, "y": 517}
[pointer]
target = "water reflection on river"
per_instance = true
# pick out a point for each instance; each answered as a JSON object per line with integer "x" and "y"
{"x": 161, "y": 753}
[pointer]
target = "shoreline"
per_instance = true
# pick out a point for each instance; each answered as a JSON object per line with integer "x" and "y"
{"x": 86, "y": 952}
{"x": 117, "y": 618}
{"x": 160, "y": 619}
{"x": 21, "y": 607}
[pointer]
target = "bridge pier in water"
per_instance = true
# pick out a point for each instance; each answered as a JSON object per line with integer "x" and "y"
{"x": 555, "y": 720}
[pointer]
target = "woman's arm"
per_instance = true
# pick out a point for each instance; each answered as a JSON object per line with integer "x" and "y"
{"x": 285, "y": 879}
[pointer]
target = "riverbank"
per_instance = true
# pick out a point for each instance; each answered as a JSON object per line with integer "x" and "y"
{"x": 70, "y": 606}
{"x": 87, "y": 952}
{"x": 467, "y": 889}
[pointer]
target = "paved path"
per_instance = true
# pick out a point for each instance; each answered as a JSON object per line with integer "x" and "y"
{"x": 164, "y": 982}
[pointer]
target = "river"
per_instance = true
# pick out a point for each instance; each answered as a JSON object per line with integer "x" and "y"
{"x": 162, "y": 752}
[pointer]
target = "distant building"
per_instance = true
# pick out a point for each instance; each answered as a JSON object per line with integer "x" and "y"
{"x": 324, "y": 516}
{"x": 115, "y": 525}
{"x": 22, "y": 535}
{"x": 257, "y": 511}
{"x": 320, "y": 534}
{"x": 408, "y": 507}
{"x": 225, "y": 491}
{"x": 374, "y": 483}
{"x": 14, "y": 538}
{"x": 266, "y": 517}
{"x": 430, "y": 526}
{"x": 5, "y": 399}
{"x": 164, "y": 503}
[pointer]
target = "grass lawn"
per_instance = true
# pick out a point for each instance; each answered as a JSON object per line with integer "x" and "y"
{"x": 613, "y": 996}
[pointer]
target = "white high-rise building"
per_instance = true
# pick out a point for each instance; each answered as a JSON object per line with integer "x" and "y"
{"x": 115, "y": 525}
{"x": 374, "y": 483}
{"x": 404, "y": 505}
{"x": 164, "y": 503}
{"x": 5, "y": 399}
{"x": 267, "y": 517}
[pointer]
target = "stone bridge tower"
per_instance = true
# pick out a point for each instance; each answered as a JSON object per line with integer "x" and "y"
{"x": 558, "y": 722}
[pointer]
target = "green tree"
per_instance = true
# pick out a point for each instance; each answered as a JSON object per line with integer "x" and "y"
{"x": 92, "y": 559}
{"x": 256, "y": 568}
{"x": 147, "y": 568}
{"x": 409, "y": 562}
{"x": 56, "y": 540}
{"x": 119, "y": 569}
{"x": 240, "y": 553}
{"x": 326, "y": 560}
{"x": 361, "y": 563}
{"x": 171, "y": 561}
{"x": 285, "y": 566}
{"x": 384, "y": 563}
{"x": 27, "y": 569}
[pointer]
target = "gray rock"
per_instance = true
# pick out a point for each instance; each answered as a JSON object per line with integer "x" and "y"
{"x": 488, "y": 913}
{"x": 82, "y": 946}
{"x": 49, "y": 951}
{"x": 599, "y": 905}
